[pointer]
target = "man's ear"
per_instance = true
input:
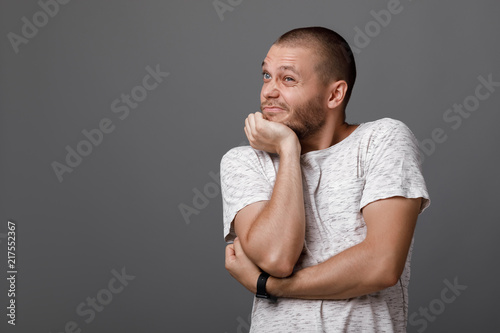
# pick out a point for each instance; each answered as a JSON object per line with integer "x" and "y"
{"x": 337, "y": 91}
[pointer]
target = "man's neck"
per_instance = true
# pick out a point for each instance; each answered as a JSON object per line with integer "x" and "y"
{"x": 334, "y": 131}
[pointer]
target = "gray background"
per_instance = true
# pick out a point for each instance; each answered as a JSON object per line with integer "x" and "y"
{"x": 120, "y": 206}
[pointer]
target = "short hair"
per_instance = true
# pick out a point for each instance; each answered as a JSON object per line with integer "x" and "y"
{"x": 337, "y": 59}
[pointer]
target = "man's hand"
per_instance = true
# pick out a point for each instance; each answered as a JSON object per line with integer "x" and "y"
{"x": 241, "y": 267}
{"x": 269, "y": 136}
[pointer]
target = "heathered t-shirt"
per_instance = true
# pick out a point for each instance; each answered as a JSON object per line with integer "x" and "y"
{"x": 378, "y": 160}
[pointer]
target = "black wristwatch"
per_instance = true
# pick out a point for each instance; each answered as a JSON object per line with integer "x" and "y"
{"x": 261, "y": 287}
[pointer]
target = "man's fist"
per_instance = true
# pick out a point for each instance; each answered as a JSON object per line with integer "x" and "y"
{"x": 269, "y": 136}
{"x": 241, "y": 267}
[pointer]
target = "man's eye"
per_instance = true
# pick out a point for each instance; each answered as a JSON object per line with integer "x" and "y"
{"x": 266, "y": 76}
{"x": 289, "y": 79}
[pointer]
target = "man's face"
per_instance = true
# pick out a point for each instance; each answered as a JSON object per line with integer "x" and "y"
{"x": 292, "y": 93}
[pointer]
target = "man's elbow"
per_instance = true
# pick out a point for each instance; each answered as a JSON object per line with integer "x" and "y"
{"x": 279, "y": 269}
{"x": 388, "y": 280}
{"x": 277, "y": 262}
{"x": 388, "y": 276}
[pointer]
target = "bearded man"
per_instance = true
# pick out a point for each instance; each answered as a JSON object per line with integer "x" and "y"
{"x": 319, "y": 213}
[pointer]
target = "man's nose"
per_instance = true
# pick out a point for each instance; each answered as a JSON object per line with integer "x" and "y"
{"x": 269, "y": 90}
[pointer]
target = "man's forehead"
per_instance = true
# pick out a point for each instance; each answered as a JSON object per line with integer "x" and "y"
{"x": 283, "y": 68}
{"x": 287, "y": 58}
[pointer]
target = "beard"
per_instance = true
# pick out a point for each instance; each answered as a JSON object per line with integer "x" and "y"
{"x": 305, "y": 119}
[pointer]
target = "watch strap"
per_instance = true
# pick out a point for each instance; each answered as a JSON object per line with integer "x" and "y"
{"x": 261, "y": 287}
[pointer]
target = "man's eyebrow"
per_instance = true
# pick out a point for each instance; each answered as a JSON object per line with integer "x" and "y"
{"x": 288, "y": 68}
{"x": 283, "y": 68}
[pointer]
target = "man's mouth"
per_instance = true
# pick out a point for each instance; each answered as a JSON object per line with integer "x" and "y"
{"x": 272, "y": 109}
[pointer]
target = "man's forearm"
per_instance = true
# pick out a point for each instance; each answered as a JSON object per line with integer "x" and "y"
{"x": 354, "y": 272}
{"x": 372, "y": 265}
{"x": 275, "y": 239}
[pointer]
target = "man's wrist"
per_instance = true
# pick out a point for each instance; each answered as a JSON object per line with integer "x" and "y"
{"x": 273, "y": 286}
{"x": 290, "y": 147}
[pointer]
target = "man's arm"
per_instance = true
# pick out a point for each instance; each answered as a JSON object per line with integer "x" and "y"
{"x": 272, "y": 232}
{"x": 372, "y": 265}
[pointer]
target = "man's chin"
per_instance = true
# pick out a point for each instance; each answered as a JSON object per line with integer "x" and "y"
{"x": 278, "y": 117}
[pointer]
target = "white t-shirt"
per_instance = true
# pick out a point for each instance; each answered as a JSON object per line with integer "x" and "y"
{"x": 378, "y": 160}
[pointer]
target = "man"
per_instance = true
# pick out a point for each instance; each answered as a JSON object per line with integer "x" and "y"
{"x": 321, "y": 212}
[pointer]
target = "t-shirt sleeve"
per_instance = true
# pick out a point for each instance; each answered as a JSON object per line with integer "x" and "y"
{"x": 393, "y": 166}
{"x": 243, "y": 182}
